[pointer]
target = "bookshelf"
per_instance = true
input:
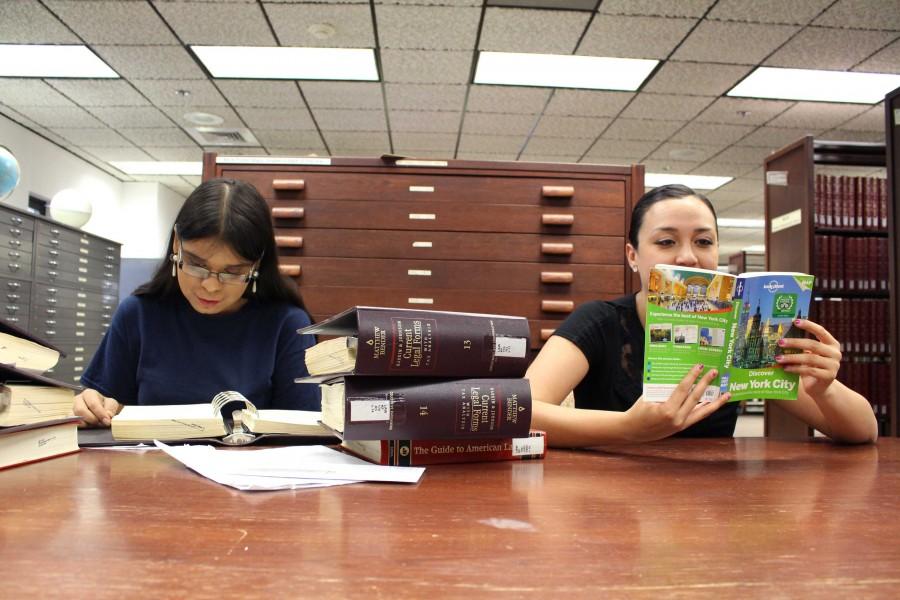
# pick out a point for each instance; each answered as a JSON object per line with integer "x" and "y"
{"x": 826, "y": 208}
{"x": 892, "y": 159}
{"x": 746, "y": 262}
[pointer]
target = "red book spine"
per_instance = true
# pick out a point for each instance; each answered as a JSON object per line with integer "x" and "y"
{"x": 829, "y": 200}
{"x": 414, "y": 453}
{"x": 882, "y": 204}
{"x": 818, "y": 200}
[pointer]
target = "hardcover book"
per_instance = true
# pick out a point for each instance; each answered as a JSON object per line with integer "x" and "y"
{"x": 725, "y": 322}
{"x": 406, "y": 453}
{"x": 38, "y": 441}
{"x": 22, "y": 350}
{"x": 381, "y": 408}
{"x": 399, "y": 341}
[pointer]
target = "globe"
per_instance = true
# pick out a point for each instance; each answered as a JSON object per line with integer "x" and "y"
{"x": 9, "y": 173}
{"x": 70, "y": 207}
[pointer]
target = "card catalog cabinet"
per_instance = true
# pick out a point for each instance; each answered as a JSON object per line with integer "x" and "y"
{"x": 59, "y": 283}
{"x": 525, "y": 239}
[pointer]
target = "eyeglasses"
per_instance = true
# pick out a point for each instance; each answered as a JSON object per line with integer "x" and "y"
{"x": 224, "y": 278}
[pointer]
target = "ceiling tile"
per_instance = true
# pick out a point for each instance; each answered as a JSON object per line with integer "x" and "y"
{"x": 654, "y": 165}
{"x": 507, "y": 99}
{"x": 695, "y": 78}
{"x": 663, "y": 8}
{"x": 846, "y": 135}
{"x": 405, "y": 141}
{"x": 94, "y": 136}
{"x": 828, "y": 48}
{"x": 491, "y": 144}
{"x": 634, "y": 37}
{"x": 216, "y": 24}
{"x": 724, "y": 169}
{"x": 420, "y": 154}
{"x": 774, "y": 137}
{"x": 427, "y": 27}
{"x": 110, "y": 154}
{"x": 176, "y": 113}
{"x": 573, "y": 127}
{"x": 289, "y": 139}
{"x": 817, "y": 115}
{"x": 871, "y": 120}
{"x": 862, "y": 14}
{"x": 412, "y": 66}
{"x": 495, "y": 123}
{"x": 747, "y": 43}
{"x": 557, "y": 146}
{"x": 350, "y": 120}
{"x": 883, "y": 61}
{"x": 743, "y": 155}
{"x": 60, "y": 116}
{"x": 641, "y": 129}
{"x": 277, "y": 118}
{"x": 99, "y": 92}
{"x": 747, "y": 187}
{"x": 352, "y": 23}
{"x": 376, "y": 140}
{"x": 425, "y": 121}
{"x": 795, "y": 12}
{"x": 712, "y": 133}
{"x": 488, "y": 156}
{"x": 29, "y": 23}
{"x": 261, "y": 94}
{"x": 685, "y": 152}
{"x": 168, "y": 136}
{"x": 30, "y": 92}
{"x": 191, "y": 152}
{"x": 131, "y": 116}
{"x": 745, "y": 210}
{"x": 665, "y": 107}
{"x": 587, "y": 103}
{"x": 164, "y": 92}
{"x": 417, "y": 96}
{"x": 103, "y": 22}
{"x": 538, "y": 157}
{"x": 539, "y": 31}
{"x": 634, "y": 151}
{"x": 237, "y": 151}
{"x": 343, "y": 94}
{"x": 742, "y": 111}
{"x": 151, "y": 62}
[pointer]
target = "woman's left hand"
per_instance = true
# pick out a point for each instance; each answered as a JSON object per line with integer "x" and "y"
{"x": 817, "y": 361}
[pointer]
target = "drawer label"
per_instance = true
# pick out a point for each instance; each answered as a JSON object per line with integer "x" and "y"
{"x": 422, "y": 216}
{"x": 421, "y": 188}
{"x": 419, "y": 272}
{"x": 421, "y": 244}
{"x": 420, "y": 300}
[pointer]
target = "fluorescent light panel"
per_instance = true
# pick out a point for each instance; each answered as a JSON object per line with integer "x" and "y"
{"x": 697, "y": 182}
{"x": 742, "y": 223}
{"x": 256, "y": 62}
{"x": 153, "y": 167}
{"x": 34, "y": 60}
{"x": 820, "y": 86}
{"x": 754, "y": 248}
{"x": 563, "y": 71}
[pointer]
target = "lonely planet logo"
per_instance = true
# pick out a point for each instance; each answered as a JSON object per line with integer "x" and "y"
{"x": 773, "y": 286}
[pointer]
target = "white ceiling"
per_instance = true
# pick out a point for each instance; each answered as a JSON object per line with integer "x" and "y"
{"x": 426, "y": 106}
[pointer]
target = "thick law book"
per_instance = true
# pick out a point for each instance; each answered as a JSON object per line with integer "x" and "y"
{"x": 171, "y": 422}
{"x": 400, "y": 341}
{"x": 382, "y": 408}
{"x": 26, "y": 404}
{"x": 25, "y": 444}
{"x": 725, "y": 322}
{"x": 415, "y": 453}
{"x": 23, "y": 350}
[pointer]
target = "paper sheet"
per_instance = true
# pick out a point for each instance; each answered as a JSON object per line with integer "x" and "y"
{"x": 290, "y": 467}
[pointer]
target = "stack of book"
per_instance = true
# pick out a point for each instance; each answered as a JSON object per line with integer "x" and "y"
{"x": 417, "y": 387}
{"x": 36, "y": 419}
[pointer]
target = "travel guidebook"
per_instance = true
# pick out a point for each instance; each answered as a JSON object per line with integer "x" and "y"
{"x": 726, "y": 322}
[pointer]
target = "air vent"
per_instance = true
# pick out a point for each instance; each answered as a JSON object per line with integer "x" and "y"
{"x": 222, "y": 136}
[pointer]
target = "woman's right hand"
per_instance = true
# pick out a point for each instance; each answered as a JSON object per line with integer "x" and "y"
{"x": 96, "y": 410}
{"x": 649, "y": 421}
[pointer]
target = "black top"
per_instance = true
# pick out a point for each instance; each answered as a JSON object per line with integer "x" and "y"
{"x": 611, "y": 337}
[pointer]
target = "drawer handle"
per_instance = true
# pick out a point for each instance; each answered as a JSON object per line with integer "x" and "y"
{"x": 54, "y": 232}
{"x": 557, "y": 306}
{"x": 52, "y": 274}
{"x": 546, "y": 333}
{"x": 12, "y": 297}
{"x": 558, "y": 191}
{"x": 553, "y": 219}
{"x": 557, "y": 277}
{"x": 288, "y": 184}
{"x": 54, "y": 252}
{"x": 288, "y": 212}
{"x": 289, "y": 270}
{"x": 14, "y": 254}
{"x": 15, "y": 231}
{"x": 53, "y": 242}
{"x": 557, "y": 248}
{"x": 51, "y": 311}
{"x": 11, "y": 308}
{"x": 13, "y": 285}
{"x": 14, "y": 267}
{"x": 18, "y": 220}
{"x": 52, "y": 263}
{"x": 289, "y": 241}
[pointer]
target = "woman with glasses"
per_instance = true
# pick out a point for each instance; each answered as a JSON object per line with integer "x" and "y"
{"x": 217, "y": 315}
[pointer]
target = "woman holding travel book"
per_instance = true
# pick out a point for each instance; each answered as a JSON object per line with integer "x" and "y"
{"x": 217, "y": 315}
{"x": 598, "y": 352}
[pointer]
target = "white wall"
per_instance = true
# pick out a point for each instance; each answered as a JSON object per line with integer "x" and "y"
{"x": 150, "y": 210}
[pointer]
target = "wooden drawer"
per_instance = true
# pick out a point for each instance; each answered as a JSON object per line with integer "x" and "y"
{"x": 436, "y": 216}
{"x": 454, "y": 189}
{"x": 441, "y": 245}
{"x": 449, "y": 274}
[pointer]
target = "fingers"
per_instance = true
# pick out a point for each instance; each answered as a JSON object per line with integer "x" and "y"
{"x": 817, "y": 330}
{"x": 693, "y": 397}
{"x": 814, "y": 346}
{"x": 809, "y": 359}
{"x": 91, "y": 407}
{"x": 701, "y": 411}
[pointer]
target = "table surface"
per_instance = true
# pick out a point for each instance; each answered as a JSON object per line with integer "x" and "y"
{"x": 745, "y": 517}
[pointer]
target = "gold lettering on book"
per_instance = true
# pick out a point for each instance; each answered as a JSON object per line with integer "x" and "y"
{"x": 512, "y": 413}
{"x": 379, "y": 337}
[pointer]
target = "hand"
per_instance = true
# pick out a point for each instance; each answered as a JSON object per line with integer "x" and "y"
{"x": 95, "y": 409}
{"x": 816, "y": 361}
{"x": 649, "y": 421}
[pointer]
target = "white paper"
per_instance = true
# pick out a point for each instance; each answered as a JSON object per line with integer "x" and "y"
{"x": 289, "y": 467}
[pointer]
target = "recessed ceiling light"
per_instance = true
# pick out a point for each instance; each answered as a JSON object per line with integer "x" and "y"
{"x": 697, "y": 182}
{"x": 33, "y": 60}
{"x": 815, "y": 85}
{"x": 256, "y": 62}
{"x": 202, "y": 118}
{"x": 153, "y": 167}
{"x": 742, "y": 223}
{"x": 562, "y": 70}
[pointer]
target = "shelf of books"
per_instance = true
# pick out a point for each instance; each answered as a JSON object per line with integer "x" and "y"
{"x": 827, "y": 213}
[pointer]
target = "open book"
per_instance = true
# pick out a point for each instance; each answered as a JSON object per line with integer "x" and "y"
{"x": 726, "y": 322}
{"x": 197, "y": 421}
{"x": 23, "y": 350}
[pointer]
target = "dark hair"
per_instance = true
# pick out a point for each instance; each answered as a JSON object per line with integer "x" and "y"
{"x": 658, "y": 194}
{"x": 235, "y": 213}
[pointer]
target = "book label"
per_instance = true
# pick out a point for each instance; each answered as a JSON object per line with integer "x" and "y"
{"x": 526, "y": 446}
{"x": 369, "y": 410}
{"x": 776, "y": 177}
{"x": 511, "y": 347}
{"x": 786, "y": 221}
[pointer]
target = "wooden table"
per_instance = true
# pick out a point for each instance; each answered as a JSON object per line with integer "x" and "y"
{"x": 674, "y": 519}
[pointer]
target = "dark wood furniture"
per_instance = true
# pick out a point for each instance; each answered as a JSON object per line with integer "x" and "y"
{"x": 799, "y": 239}
{"x": 59, "y": 283}
{"x": 892, "y": 159}
{"x": 525, "y": 239}
{"x": 746, "y": 262}
{"x": 729, "y": 518}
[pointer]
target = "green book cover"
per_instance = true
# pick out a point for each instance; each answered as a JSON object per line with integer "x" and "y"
{"x": 726, "y": 322}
